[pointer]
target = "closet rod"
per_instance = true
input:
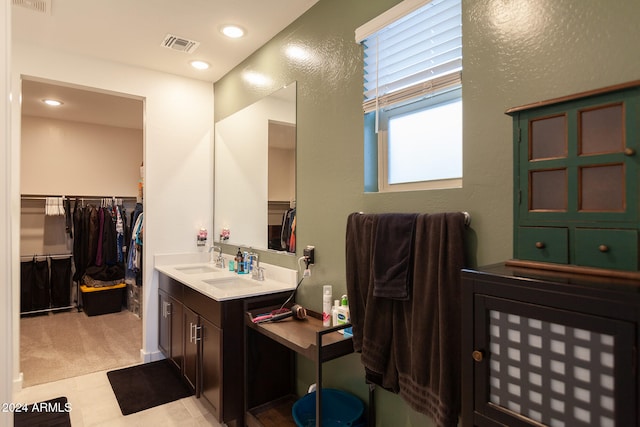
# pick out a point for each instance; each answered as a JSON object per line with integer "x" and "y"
{"x": 43, "y": 197}
{"x": 46, "y": 255}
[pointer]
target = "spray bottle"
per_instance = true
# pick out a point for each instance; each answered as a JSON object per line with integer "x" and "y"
{"x": 326, "y": 305}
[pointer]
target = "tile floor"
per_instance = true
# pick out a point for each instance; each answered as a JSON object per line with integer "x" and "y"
{"x": 94, "y": 404}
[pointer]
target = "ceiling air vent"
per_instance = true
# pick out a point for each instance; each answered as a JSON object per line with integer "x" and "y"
{"x": 42, "y": 6}
{"x": 179, "y": 43}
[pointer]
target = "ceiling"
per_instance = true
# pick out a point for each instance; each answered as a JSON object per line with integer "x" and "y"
{"x": 132, "y": 32}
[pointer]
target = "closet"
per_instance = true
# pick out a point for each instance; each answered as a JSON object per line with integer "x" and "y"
{"x": 73, "y": 241}
{"x": 81, "y": 182}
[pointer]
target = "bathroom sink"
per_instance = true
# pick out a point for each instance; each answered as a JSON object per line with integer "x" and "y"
{"x": 231, "y": 284}
{"x": 196, "y": 269}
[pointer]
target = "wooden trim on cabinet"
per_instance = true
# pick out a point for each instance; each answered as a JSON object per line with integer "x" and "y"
{"x": 574, "y": 269}
{"x": 585, "y": 94}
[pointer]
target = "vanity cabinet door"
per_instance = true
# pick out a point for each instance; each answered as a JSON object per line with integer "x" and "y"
{"x": 211, "y": 360}
{"x": 191, "y": 340}
{"x": 170, "y": 329}
{"x": 177, "y": 333}
{"x": 164, "y": 324}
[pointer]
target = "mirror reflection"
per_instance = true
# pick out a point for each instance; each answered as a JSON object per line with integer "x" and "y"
{"x": 255, "y": 174}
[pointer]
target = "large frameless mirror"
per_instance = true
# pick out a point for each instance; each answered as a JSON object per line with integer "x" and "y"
{"x": 255, "y": 174}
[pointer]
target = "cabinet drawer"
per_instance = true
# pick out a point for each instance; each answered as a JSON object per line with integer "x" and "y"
{"x": 613, "y": 249}
{"x": 545, "y": 244}
{"x": 203, "y": 305}
{"x": 171, "y": 286}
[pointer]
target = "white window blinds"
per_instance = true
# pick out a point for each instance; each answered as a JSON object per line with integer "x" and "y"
{"x": 416, "y": 55}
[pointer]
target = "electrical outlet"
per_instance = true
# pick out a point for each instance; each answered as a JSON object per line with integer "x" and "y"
{"x": 310, "y": 254}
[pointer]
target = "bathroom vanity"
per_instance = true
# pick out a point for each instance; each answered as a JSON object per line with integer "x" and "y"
{"x": 201, "y": 329}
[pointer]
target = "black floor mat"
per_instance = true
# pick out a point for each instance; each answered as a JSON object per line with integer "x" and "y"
{"x": 50, "y": 413}
{"x": 144, "y": 386}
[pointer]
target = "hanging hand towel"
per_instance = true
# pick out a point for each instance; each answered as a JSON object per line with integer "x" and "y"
{"x": 393, "y": 255}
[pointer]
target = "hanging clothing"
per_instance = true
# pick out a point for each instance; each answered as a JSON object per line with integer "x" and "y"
{"x": 93, "y": 224}
{"x": 288, "y": 237}
{"x": 120, "y": 226}
{"x": 80, "y": 241}
{"x": 68, "y": 217}
{"x": 54, "y": 206}
{"x": 98, "y": 261}
{"x": 99, "y": 237}
{"x": 134, "y": 262}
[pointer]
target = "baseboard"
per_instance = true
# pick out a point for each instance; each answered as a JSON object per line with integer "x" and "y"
{"x": 17, "y": 383}
{"x": 147, "y": 357}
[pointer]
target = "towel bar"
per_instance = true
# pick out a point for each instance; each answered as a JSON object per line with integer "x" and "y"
{"x": 467, "y": 218}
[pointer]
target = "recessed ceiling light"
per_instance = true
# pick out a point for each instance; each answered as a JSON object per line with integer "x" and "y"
{"x": 232, "y": 31}
{"x": 52, "y": 102}
{"x": 200, "y": 65}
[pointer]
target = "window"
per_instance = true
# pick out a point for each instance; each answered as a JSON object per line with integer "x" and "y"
{"x": 413, "y": 96}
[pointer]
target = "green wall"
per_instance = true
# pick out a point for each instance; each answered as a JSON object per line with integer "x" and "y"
{"x": 515, "y": 53}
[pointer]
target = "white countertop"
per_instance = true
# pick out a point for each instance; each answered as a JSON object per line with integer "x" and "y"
{"x": 195, "y": 271}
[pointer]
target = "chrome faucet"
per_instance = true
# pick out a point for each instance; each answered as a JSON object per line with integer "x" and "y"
{"x": 220, "y": 259}
{"x": 257, "y": 272}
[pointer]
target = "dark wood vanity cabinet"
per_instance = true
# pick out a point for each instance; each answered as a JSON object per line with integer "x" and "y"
{"x": 548, "y": 348}
{"x": 204, "y": 338}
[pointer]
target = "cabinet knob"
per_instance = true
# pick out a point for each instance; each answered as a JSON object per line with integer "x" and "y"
{"x": 477, "y": 355}
{"x": 629, "y": 151}
{"x": 603, "y": 248}
{"x": 540, "y": 245}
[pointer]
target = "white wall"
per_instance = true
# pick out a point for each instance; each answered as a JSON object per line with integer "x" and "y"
{"x": 60, "y": 157}
{"x": 178, "y": 134}
{"x": 6, "y": 316}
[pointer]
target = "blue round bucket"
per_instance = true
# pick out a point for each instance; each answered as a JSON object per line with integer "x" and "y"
{"x": 338, "y": 409}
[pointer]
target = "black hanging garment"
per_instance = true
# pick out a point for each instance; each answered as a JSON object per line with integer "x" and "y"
{"x": 80, "y": 242}
{"x": 109, "y": 239}
{"x": 93, "y": 227}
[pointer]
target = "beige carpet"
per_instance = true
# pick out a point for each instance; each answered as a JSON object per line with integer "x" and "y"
{"x": 68, "y": 344}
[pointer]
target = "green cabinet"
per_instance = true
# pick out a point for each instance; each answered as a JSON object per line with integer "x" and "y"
{"x": 576, "y": 172}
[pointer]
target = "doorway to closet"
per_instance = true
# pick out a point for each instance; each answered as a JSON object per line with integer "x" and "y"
{"x": 81, "y": 176}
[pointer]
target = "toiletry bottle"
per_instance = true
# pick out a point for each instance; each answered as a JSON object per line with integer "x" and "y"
{"x": 334, "y": 312}
{"x": 238, "y": 265}
{"x": 343, "y": 312}
{"x": 326, "y": 305}
{"x": 246, "y": 262}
